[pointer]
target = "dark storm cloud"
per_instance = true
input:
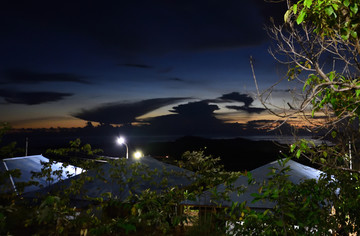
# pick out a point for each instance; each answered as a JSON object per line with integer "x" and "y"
{"x": 203, "y": 109}
{"x": 31, "y": 98}
{"x": 123, "y": 113}
{"x": 23, "y": 76}
{"x": 193, "y": 118}
{"x": 136, "y": 66}
{"x": 237, "y": 97}
{"x": 247, "y": 109}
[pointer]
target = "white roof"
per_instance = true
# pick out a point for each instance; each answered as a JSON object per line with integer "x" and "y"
{"x": 32, "y": 164}
{"x": 106, "y": 179}
{"x": 297, "y": 174}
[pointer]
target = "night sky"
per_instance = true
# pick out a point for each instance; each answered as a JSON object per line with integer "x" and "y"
{"x": 64, "y": 63}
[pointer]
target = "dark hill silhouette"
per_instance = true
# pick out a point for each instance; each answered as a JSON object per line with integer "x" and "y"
{"x": 236, "y": 154}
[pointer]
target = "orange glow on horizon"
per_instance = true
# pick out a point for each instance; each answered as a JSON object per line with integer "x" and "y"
{"x": 49, "y": 123}
{"x": 265, "y": 120}
{"x": 240, "y": 118}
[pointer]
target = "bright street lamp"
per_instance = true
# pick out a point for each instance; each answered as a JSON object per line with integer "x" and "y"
{"x": 121, "y": 141}
{"x": 138, "y": 155}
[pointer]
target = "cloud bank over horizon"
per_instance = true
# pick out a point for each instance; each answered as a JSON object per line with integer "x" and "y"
{"x": 196, "y": 117}
{"x": 123, "y": 113}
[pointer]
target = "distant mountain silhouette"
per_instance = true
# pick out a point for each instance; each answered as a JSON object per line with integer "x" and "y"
{"x": 236, "y": 154}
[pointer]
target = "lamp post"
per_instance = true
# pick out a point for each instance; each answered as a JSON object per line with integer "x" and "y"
{"x": 121, "y": 141}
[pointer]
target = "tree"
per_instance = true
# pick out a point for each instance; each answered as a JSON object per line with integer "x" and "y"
{"x": 10, "y": 149}
{"x": 319, "y": 42}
